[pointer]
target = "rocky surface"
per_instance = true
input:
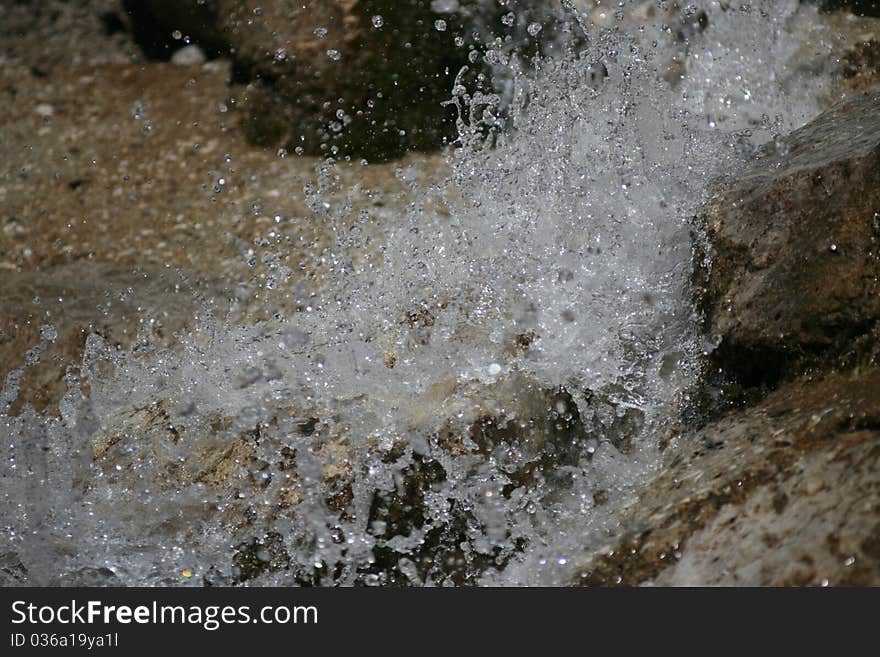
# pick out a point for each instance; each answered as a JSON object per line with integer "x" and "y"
{"x": 160, "y": 446}
{"x": 124, "y": 177}
{"x": 70, "y": 301}
{"x": 784, "y": 493}
{"x": 128, "y": 186}
{"x": 793, "y": 261}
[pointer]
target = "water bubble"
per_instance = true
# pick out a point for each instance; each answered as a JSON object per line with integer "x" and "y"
{"x": 139, "y": 110}
{"x": 440, "y": 25}
{"x": 493, "y": 370}
{"x": 48, "y": 333}
{"x": 534, "y": 29}
{"x": 176, "y": 35}
{"x": 334, "y": 55}
{"x": 508, "y": 19}
{"x": 378, "y": 21}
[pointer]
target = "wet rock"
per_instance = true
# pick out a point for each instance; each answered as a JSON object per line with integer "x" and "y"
{"x": 792, "y": 269}
{"x": 61, "y": 306}
{"x": 528, "y": 433}
{"x": 784, "y": 493}
{"x": 241, "y": 481}
{"x": 524, "y": 426}
{"x": 12, "y": 571}
{"x": 298, "y": 462}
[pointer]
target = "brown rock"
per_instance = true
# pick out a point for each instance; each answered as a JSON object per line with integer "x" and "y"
{"x": 861, "y": 66}
{"x": 793, "y": 245}
{"x": 785, "y": 493}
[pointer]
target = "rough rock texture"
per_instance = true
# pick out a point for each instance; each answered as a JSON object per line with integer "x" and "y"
{"x": 784, "y": 493}
{"x": 793, "y": 261}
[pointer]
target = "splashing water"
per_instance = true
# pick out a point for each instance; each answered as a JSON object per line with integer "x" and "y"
{"x": 482, "y": 381}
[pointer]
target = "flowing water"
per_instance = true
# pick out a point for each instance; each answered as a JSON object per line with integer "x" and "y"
{"x": 481, "y": 381}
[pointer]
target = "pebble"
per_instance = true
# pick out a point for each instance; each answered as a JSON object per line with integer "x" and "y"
{"x": 190, "y": 55}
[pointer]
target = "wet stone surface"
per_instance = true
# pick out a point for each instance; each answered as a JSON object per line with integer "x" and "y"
{"x": 785, "y": 493}
{"x": 792, "y": 266}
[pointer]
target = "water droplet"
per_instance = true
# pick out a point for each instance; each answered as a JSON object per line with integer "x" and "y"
{"x": 139, "y": 110}
{"x": 440, "y": 25}
{"x": 176, "y": 35}
{"x": 534, "y": 29}
{"x": 48, "y": 332}
{"x": 335, "y": 55}
{"x": 508, "y": 19}
{"x": 320, "y": 32}
{"x": 378, "y": 21}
